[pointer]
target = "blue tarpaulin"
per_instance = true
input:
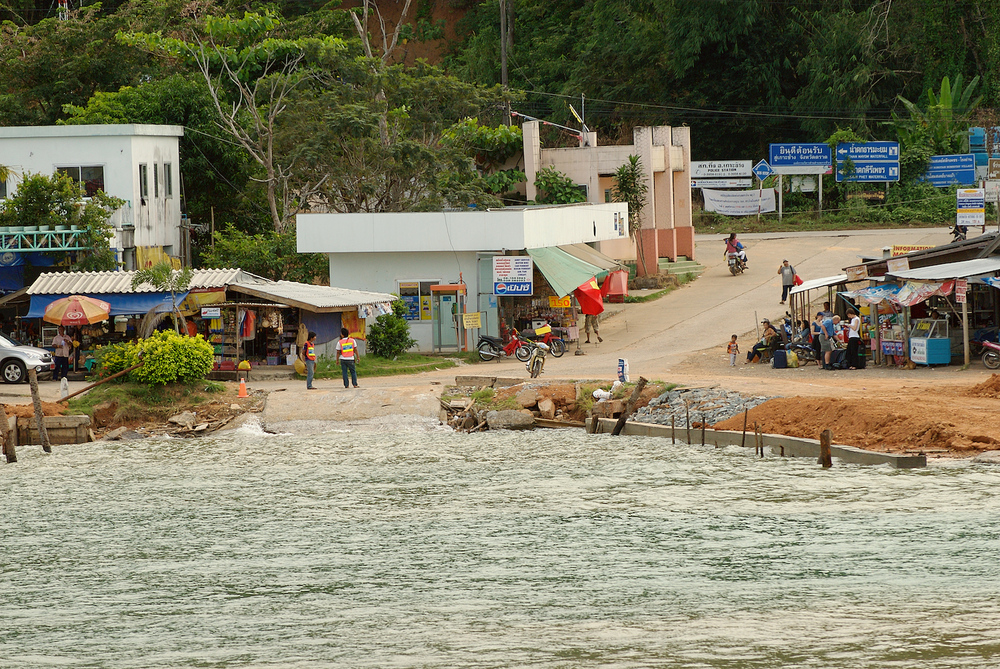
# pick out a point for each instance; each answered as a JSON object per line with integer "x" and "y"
{"x": 122, "y": 304}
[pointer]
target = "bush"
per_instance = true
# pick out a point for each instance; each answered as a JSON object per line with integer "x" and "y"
{"x": 167, "y": 357}
{"x": 390, "y": 335}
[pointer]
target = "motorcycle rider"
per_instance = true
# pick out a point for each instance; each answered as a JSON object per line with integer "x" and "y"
{"x": 733, "y": 245}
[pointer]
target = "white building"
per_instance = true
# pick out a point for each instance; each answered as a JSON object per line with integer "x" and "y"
{"x": 417, "y": 254}
{"x": 137, "y": 163}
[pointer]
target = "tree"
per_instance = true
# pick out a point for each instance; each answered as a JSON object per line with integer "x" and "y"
{"x": 554, "y": 187}
{"x": 269, "y": 254}
{"x": 630, "y": 186}
{"x": 164, "y": 278}
{"x": 944, "y": 123}
{"x": 389, "y": 336}
{"x": 59, "y": 200}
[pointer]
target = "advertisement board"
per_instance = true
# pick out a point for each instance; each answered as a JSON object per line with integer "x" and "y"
{"x": 512, "y": 276}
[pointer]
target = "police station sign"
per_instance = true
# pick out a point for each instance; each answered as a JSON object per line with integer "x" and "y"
{"x": 512, "y": 276}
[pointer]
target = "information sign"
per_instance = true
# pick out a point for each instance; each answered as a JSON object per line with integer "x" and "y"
{"x": 993, "y": 169}
{"x": 473, "y": 320}
{"x": 721, "y": 183}
{"x": 971, "y": 209}
{"x": 950, "y": 170}
{"x": 800, "y": 158}
{"x": 211, "y": 312}
{"x": 868, "y": 161}
{"x": 720, "y": 169}
{"x": 512, "y": 275}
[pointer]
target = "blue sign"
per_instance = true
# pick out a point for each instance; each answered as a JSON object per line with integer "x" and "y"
{"x": 762, "y": 170}
{"x": 950, "y": 170}
{"x": 801, "y": 155}
{"x": 512, "y": 288}
{"x": 868, "y": 152}
{"x": 870, "y": 161}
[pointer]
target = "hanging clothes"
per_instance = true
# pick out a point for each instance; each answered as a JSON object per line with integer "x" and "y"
{"x": 248, "y": 325}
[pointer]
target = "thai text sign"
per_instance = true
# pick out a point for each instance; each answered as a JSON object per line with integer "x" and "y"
{"x": 470, "y": 321}
{"x": 720, "y": 169}
{"x": 512, "y": 275}
{"x": 971, "y": 207}
{"x": 801, "y": 158}
{"x": 945, "y": 171}
{"x": 868, "y": 161}
{"x": 739, "y": 203}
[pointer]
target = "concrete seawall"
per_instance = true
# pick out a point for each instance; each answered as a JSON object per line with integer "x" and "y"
{"x": 778, "y": 444}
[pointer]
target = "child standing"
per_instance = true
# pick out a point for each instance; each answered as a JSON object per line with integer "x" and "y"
{"x": 733, "y": 350}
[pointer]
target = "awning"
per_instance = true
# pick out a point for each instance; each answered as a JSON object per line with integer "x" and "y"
{"x": 825, "y": 282}
{"x": 594, "y": 257}
{"x": 122, "y": 304}
{"x": 965, "y": 269}
{"x": 564, "y": 272}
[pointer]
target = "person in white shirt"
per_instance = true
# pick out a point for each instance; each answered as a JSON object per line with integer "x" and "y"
{"x": 63, "y": 346}
{"x": 853, "y": 339}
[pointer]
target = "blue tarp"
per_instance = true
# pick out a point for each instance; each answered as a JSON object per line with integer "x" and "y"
{"x": 122, "y": 304}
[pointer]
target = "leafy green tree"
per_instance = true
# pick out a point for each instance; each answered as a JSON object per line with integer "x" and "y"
{"x": 389, "y": 335}
{"x": 944, "y": 122}
{"x": 630, "y": 186}
{"x": 165, "y": 279}
{"x": 269, "y": 254}
{"x": 59, "y": 200}
{"x": 554, "y": 187}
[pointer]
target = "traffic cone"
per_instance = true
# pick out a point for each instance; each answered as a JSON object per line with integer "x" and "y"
{"x": 243, "y": 388}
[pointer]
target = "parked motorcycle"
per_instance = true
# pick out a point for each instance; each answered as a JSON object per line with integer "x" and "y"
{"x": 492, "y": 348}
{"x": 537, "y": 359}
{"x": 991, "y": 358}
{"x": 959, "y": 233}
{"x": 544, "y": 334}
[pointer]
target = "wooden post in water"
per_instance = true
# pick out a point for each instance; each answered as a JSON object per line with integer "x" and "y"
{"x": 702, "y": 428}
{"x": 743, "y": 443}
{"x": 594, "y": 422}
{"x": 687, "y": 420}
{"x": 825, "y": 438}
{"x": 630, "y": 407}
{"x": 36, "y": 399}
{"x": 8, "y": 441}
{"x": 673, "y": 433}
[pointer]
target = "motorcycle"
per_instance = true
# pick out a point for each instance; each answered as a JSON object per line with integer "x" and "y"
{"x": 544, "y": 334}
{"x": 492, "y": 348}
{"x": 536, "y": 361}
{"x": 958, "y": 233}
{"x": 991, "y": 358}
{"x": 736, "y": 264}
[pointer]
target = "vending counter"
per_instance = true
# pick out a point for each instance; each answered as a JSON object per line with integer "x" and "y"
{"x": 930, "y": 343}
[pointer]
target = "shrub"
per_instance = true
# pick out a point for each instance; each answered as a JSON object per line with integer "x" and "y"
{"x": 113, "y": 359}
{"x": 390, "y": 334}
{"x": 168, "y": 357}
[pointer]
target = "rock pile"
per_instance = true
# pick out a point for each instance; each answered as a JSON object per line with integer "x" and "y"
{"x": 702, "y": 404}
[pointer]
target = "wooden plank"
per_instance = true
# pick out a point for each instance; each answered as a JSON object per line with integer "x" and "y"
{"x": 545, "y": 422}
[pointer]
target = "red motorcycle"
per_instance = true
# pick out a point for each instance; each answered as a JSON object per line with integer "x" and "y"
{"x": 493, "y": 348}
{"x": 544, "y": 334}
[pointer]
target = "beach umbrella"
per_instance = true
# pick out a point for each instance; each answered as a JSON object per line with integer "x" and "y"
{"x": 76, "y": 310}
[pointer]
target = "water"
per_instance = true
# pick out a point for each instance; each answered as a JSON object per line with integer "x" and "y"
{"x": 426, "y": 548}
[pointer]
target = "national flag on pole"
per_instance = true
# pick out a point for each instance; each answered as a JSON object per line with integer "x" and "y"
{"x": 590, "y": 298}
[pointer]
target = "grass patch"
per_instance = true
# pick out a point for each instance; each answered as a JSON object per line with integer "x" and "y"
{"x": 585, "y": 398}
{"x": 370, "y": 366}
{"x": 638, "y": 299}
{"x": 138, "y": 401}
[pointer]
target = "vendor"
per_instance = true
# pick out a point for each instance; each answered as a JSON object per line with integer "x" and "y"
{"x": 766, "y": 341}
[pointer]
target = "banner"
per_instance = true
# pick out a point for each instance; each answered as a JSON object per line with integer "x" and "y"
{"x": 739, "y": 203}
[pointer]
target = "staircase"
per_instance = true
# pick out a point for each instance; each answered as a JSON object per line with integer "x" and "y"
{"x": 681, "y": 266}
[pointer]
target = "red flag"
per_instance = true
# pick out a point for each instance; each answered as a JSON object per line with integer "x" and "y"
{"x": 589, "y": 297}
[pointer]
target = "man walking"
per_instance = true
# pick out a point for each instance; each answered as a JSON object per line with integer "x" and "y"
{"x": 347, "y": 353}
{"x": 787, "y": 273}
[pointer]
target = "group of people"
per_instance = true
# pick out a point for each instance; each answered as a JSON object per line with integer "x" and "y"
{"x": 347, "y": 355}
{"x": 824, "y": 332}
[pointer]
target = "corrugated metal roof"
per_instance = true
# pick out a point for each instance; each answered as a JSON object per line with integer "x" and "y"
{"x": 824, "y": 282}
{"x": 94, "y": 283}
{"x": 952, "y": 270}
{"x": 321, "y": 297}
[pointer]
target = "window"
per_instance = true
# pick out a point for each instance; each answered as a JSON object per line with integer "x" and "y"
{"x": 168, "y": 181}
{"x": 143, "y": 181}
{"x": 156, "y": 180}
{"x": 90, "y": 177}
{"x": 417, "y": 296}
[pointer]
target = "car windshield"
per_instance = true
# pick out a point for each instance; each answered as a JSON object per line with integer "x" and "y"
{"x": 8, "y": 342}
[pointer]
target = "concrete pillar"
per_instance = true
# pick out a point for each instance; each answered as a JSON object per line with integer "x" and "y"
{"x": 647, "y": 252}
{"x": 683, "y": 219}
{"x": 532, "y": 157}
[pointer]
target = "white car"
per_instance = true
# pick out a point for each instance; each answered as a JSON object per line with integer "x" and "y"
{"x": 16, "y": 359}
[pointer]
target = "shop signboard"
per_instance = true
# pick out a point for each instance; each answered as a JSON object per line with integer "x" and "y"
{"x": 857, "y": 273}
{"x": 211, "y": 312}
{"x": 993, "y": 169}
{"x": 512, "y": 276}
{"x": 720, "y": 169}
{"x": 897, "y": 264}
{"x": 560, "y": 302}
{"x": 971, "y": 206}
{"x": 992, "y": 190}
{"x": 903, "y": 249}
{"x": 918, "y": 350}
{"x": 801, "y": 158}
{"x": 961, "y": 288}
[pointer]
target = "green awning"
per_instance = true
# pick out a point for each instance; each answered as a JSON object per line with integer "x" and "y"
{"x": 594, "y": 257}
{"x": 563, "y": 271}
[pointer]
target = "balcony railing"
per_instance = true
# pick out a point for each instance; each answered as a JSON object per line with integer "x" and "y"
{"x": 59, "y": 238}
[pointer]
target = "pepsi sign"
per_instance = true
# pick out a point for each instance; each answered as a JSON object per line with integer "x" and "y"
{"x": 512, "y": 288}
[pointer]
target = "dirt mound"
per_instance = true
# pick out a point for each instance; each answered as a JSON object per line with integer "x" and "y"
{"x": 988, "y": 388}
{"x": 28, "y": 410}
{"x": 892, "y": 425}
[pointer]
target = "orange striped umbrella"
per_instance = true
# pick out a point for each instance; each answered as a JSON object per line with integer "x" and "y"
{"x": 76, "y": 310}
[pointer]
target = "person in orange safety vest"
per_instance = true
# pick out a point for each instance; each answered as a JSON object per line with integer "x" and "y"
{"x": 309, "y": 355}
{"x": 347, "y": 354}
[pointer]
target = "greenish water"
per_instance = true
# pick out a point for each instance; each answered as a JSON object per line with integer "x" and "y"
{"x": 426, "y": 548}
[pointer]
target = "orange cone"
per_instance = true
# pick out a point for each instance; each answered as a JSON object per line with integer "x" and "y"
{"x": 243, "y": 388}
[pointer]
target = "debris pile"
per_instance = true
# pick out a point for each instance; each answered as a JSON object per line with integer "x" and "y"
{"x": 703, "y": 405}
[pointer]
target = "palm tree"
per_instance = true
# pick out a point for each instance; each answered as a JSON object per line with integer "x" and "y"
{"x": 164, "y": 278}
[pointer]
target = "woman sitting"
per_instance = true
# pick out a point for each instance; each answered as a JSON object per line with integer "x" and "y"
{"x": 767, "y": 341}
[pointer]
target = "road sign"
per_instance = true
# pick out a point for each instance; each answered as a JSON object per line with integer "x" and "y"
{"x": 950, "y": 170}
{"x": 801, "y": 158}
{"x": 868, "y": 151}
{"x": 762, "y": 170}
{"x": 870, "y": 161}
{"x": 720, "y": 169}
{"x": 993, "y": 171}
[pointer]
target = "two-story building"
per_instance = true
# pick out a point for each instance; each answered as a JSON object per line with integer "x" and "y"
{"x": 137, "y": 163}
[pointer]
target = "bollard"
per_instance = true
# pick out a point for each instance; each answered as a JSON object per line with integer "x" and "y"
{"x": 825, "y": 438}
{"x": 743, "y": 443}
{"x": 36, "y": 399}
